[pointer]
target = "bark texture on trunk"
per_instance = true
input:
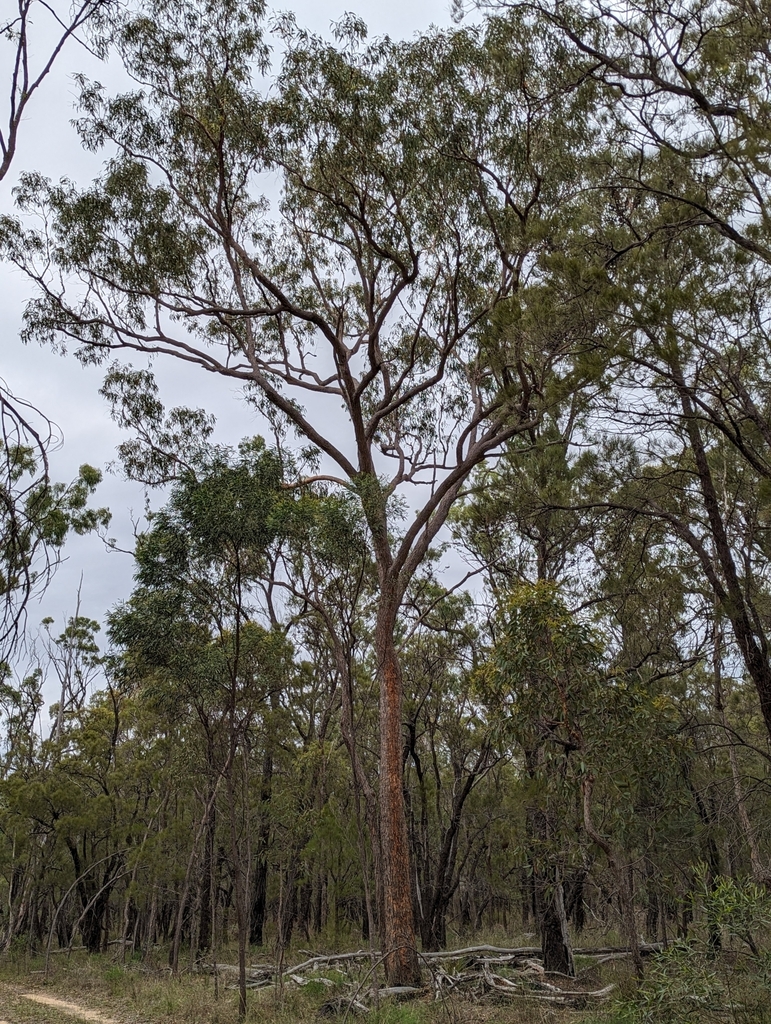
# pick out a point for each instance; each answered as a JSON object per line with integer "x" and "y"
{"x": 548, "y": 890}
{"x": 287, "y": 911}
{"x": 401, "y": 956}
{"x": 363, "y": 795}
{"x": 759, "y": 872}
{"x": 553, "y": 922}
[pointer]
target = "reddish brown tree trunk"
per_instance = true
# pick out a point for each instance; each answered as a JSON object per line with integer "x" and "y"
{"x": 401, "y": 957}
{"x": 364, "y": 792}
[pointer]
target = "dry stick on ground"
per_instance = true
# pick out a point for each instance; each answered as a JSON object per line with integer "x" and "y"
{"x": 444, "y": 982}
{"x": 502, "y": 954}
{"x": 553, "y": 992}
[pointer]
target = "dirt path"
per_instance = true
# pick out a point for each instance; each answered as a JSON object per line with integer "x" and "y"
{"x": 70, "y": 1008}
{"x": 17, "y": 998}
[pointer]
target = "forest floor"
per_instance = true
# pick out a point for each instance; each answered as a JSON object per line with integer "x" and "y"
{"x": 24, "y": 1007}
{"x": 686, "y": 985}
{"x": 103, "y": 990}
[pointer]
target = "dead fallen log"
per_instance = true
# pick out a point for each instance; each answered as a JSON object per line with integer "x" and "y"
{"x": 361, "y": 954}
{"x": 550, "y": 995}
{"x": 599, "y": 993}
{"x": 445, "y": 983}
{"x": 646, "y": 949}
{"x": 449, "y": 954}
{"x": 500, "y": 954}
{"x": 299, "y": 980}
{"x": 250, "y": 985}
{"x": 543, "y": 990}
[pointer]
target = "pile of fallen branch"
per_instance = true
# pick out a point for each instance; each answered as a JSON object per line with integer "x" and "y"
{"x": 474, "y": 972}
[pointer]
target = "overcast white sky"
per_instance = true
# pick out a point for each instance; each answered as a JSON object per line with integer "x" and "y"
{"x": 67, "y": 393}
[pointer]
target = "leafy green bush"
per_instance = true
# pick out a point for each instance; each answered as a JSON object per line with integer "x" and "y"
{"x": 739, "y": 905}
{"x": 682, "y": 986}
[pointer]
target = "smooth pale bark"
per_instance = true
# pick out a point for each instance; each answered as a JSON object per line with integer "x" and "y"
{"x": 22, "y": 885}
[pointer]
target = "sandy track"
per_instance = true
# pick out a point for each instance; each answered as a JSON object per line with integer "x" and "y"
{"x": 72, "y": 1009}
